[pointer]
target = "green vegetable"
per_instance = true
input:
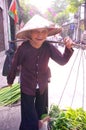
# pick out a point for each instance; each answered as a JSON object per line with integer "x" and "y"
{"x": 9, "y": 95}
{"x": 71, "y": 119}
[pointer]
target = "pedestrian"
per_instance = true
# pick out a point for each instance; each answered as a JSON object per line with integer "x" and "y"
{"x": 33, "y": 57}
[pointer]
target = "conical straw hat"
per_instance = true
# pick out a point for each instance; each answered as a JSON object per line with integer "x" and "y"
{"x": 37, "y": 22}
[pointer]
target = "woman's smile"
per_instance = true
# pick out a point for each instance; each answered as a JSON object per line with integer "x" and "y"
{"x": 38, "y": 36}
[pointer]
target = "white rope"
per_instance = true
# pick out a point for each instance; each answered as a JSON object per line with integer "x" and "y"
{"x": 68, "y": 78}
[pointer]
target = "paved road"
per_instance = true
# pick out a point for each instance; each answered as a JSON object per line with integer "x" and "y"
{"x": 3, "y": 81}
{"x": 2, "y": 78}
{"x": 10, "y": 116}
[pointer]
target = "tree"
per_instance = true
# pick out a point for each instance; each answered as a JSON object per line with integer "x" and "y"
{"x": 73, "y": 5}
{"x": 27, "y": 10}
{"x": 57, "y": 12}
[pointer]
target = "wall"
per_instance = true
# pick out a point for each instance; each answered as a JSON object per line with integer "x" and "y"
{"x": 3, "y": 25}
{"x": 2, "y": 47}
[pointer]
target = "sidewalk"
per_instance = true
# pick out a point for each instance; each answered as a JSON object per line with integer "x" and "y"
{"x": 9, "y": 116}
{"x": 3, "y": 81}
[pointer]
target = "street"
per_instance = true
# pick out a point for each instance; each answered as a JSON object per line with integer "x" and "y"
{"x": 65, "y": 90}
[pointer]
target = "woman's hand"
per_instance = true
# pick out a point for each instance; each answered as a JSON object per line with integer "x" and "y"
{"x": 10, "y": 85}
{"x": 68, "y": 42}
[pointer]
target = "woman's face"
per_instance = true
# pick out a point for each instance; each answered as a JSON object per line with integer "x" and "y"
{"x": 38, "y": 36}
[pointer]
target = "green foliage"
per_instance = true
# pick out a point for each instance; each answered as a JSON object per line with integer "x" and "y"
{"x": 27, "y": 10}
{"x": 67, "y": 120}
{"x": 77, "y": 118}
{"x": 57, "y": 12}
{"x": 58, "y": 119}
{"x": 73, "y": 5}
{"x": 62, "y": 18}
{"x": 54, "y": 111}
{"x": 43, "y": 116}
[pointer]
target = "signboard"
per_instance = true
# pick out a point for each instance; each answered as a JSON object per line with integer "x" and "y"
{"x": 72, "y": 26}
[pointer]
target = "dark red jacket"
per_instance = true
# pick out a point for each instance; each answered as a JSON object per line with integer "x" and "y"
{"x": 34, "y": 65}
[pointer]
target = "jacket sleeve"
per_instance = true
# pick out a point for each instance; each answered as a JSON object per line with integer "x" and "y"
{"x": 16, "y": 62}
{"x": 60, "y": 58}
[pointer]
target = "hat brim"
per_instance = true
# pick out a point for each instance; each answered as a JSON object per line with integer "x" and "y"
{"x": 37, "y": 22}
{"x": 26, "y": 35}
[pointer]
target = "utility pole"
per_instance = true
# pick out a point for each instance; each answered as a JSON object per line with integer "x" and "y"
{"x": 78, "y": 25}
{"x": 85, "y": 15}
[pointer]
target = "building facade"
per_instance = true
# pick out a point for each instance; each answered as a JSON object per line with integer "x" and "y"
{"x": 4, "y": 31}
